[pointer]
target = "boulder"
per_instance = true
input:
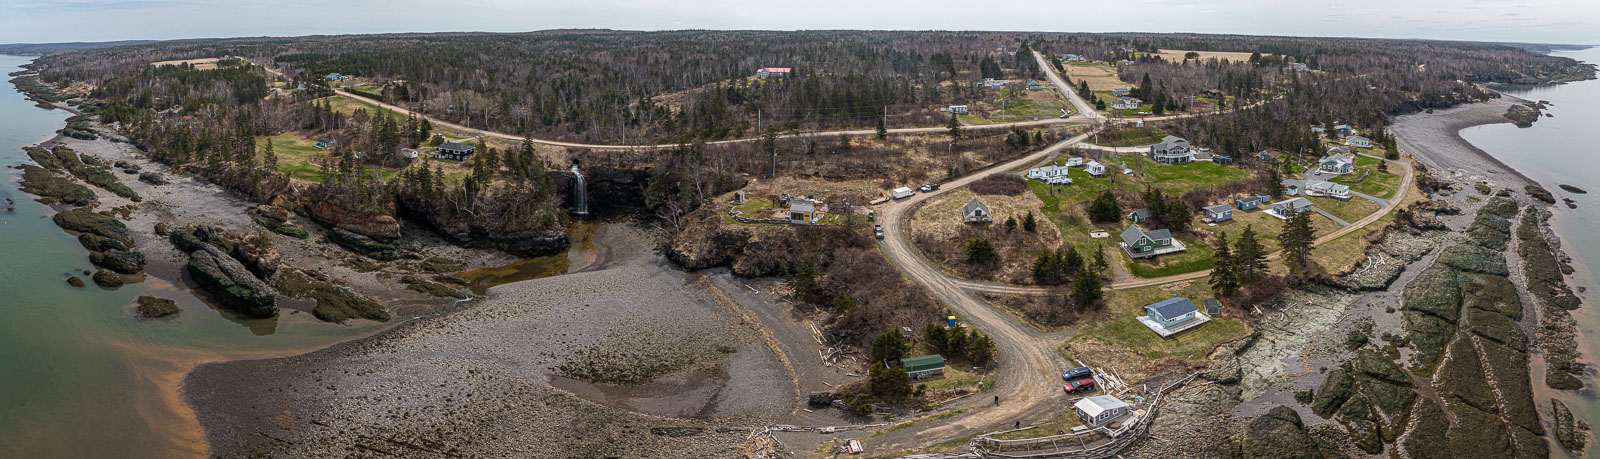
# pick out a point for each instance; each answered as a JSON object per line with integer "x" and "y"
{"x": 122, "y": 261}
{"x": 1279, "y": 434}
{"x": 233, "y": 284}
{"x": 375, "y": 226}
{"x": 97, "y": 243}
{"x": 151, "y": 307}
{"x": 185, "y": 241}
{"x": 152, "y": 178}
{"x": 263, "y": 261}
{"x": 276, "y": 219}
{"x": 74, "y": 281}
{"x": 85, "y": 220}
{"x": 107, "y": 278}
{"x": 364, "y": 245}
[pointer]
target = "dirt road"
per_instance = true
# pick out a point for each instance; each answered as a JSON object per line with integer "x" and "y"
{"x": 1084, "y": 109}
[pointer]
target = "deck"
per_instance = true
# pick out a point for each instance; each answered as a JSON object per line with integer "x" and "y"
{"x": 1200, "y": 318}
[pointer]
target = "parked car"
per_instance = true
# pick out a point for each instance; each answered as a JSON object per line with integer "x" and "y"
{"x": 1076, "y": 373}
{"x": 1081, "y": 385}
{"x": 877, "y": 231}
{"x": 926, "y": 188}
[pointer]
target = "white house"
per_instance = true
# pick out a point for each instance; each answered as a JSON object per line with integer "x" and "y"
{"x": 1126, "y": 103}
{"x": 1336, "y": 163}
{"x": 1327, "y": 189}
{"x": 1072, "y": 58}
{"x": 772, "y": 72}
{"x": 1119, "y": 92}
{"x": 1095, "y": 168}
{"x": 976, "y": 212}
{"x": 1049, "y": 174}
{"x": 1075, "y": 162}
{"x": 1219, "y": 212}
{"x": 1172, "y": 150}
{"x": 1358, "y": 141}
{"x": 958, "y": 109}
{"x": 1100, "y": 410}
{"x": 1285, "y": 209}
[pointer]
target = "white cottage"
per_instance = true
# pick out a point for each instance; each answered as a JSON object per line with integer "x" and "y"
{"x": 1100, "y": 410}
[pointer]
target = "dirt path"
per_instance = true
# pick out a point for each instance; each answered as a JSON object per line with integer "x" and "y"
{"x": 1084, "y": 109}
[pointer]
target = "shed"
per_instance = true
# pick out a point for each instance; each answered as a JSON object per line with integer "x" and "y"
{"x": 1100, "y": 410}
{"x": 1139, "y": 216}
{"x": 976, "y": 212}
{"x": 1213, "y": 307}
{"x": 1219, "y": 212}
{"x": 923, "y": 367}
{"x": 803, "y": 211}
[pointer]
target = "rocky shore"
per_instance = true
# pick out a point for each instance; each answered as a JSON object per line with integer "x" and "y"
{"x": 478, "y": 381}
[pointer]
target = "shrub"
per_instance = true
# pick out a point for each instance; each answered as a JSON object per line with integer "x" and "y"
{"x": 1000, "y": 184}
{"x": 981, "y": 251}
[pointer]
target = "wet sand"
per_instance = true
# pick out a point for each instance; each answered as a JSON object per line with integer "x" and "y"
{"x": 477, "y": 382}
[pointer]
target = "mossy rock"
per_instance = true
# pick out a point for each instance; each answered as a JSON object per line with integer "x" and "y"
{"x": 151, "y": 307}
{"x": 276, "y": 219}
{"x": 1279, "y": 434}
{"x": 53, "y": 188}
{"x": 335, "y": 303}
{"x": 98, "y": 243}
{"x": 1496, "y": 294}
{"x": 1428, "y": 334}
{"x": 1474, "y": 259}
{"x": 1463, "y": 378}
{"x": 1501, "y": 206}
{"x": 1435, "y": 291}
{"x": 1490, "y": 231}
{"x": 74, "y": 281}
{"x": 364, "y": 245}
{"x": 424, "y": 286}
{"x": 436, "y": 265}
{"x": 1372, "y": 364}
{"x": 1510, "y": 368}
{"x": 122, "y": 261}
{"x": 1393, "y": 400}
{"x": 185, "y": 241}
{"x": 1334, "y": 392}
{"x": 1496, "y": 327}
{"x": 234, "y": 286}
{"x": 108, "y": 278}
{"x": 86, "y": 220}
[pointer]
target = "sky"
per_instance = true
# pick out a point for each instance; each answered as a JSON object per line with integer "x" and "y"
{"x": 1549, "y": 21}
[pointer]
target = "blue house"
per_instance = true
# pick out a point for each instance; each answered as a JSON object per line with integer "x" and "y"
{"x": 1218, "y": 213}
{"x": 1171, "y": 311}
{"x": 1249, "y": 203}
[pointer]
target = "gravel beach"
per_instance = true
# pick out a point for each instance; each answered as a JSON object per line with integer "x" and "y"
{"x": 477, "y": 382}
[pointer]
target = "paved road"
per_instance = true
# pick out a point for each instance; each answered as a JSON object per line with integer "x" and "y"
{"x": 1325, "y": 213}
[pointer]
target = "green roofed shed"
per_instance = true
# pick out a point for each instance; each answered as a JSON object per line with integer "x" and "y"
{"x": 924, "y": 366}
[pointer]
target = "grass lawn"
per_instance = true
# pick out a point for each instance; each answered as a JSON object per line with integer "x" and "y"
{"x": 347, "y": 106}
{"x": 1031, "y": 104}
{"x": 1196, "y": 257}
{"x": 294, "y": 155}
{"x": 1118, "y": 324}
{"x": 1177, "y": 179}
{"x": 1127, "y": 137}
{"x": 1349, "y": 211}
{"x": 974, "y": 120}
{"x": 1063, "y": 422}
{"x": 1380, "y": 184}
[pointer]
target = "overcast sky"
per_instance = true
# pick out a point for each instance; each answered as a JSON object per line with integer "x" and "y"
{"x": 1548, "y": 21}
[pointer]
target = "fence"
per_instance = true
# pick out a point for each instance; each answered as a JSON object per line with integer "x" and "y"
{"x": 1076, "y": 445}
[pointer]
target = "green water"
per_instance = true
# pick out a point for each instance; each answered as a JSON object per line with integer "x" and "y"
{"x": 79, "y": 375}
{"x": 1554, "y": 151}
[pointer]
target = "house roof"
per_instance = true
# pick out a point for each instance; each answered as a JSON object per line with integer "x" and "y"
{"x": 1323, "y": 185}
{"x": 1297, "y": 203}
{"x": 1132, "y": 234}
{"x": 775, "y": 70}
{"x": 1159, "y": 234}
{"x": 1220, "y": 208}
{"x": 1355, "y": 137}
{"x": 926, "y": 362}
{"x": 1169, "y": 142}
{"x": 1213, "y": 304}
{"x": 1172, "y": 307}
{"x": 974, "y": 205}
{"x": 1093, "y": 164}
{"x": 1141, "y": 213}
{"x": 1093, "y": 406}
{"x": 455, "y": 146}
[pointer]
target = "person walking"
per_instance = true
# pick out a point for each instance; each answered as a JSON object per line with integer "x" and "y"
{"x": 997, "y": 400}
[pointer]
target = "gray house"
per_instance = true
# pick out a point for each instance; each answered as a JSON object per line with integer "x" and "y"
{"x": 1172, "y": 150}
{"x": 1171, "y": 311}
{"x": 976, "y": 212}
{"x": 1144, "y": 244}
{"x": 453, "y": 150}
{"x": 1219, "y": 212}
{"x": 1100, "y": 410}
{"x": 1139, "y": 216}
{"x": 1287, "y": 208}
{"x": 1336, "y": 163}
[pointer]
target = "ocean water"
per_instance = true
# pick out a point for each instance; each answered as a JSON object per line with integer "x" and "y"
{"x": 1554, "y": 151}
{"x": 80, "y": 376}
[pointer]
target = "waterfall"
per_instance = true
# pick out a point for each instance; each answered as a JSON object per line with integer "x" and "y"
{"x": 580, "y": 195}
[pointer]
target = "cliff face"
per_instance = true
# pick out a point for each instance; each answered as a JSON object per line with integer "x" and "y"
{"x": 611, "y": 191}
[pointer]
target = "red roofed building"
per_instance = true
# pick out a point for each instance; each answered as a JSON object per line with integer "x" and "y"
{"x": 772, "y": 72}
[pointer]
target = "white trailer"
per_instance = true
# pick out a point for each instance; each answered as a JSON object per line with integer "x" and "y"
{"x": 903, "y": 192}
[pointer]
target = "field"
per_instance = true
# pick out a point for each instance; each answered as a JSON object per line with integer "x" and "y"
{"x": 1131, "y": 136}
{"x": 1176, "y": 179}
{"x": 1348, "y": 210}
{"x": 199, "y": 64}
{"x": 1176, "y": 55}
{"x": 1379, "y": 184}
{"x": 295, "y": 155}
{"x": 1266, "y": 227}
{"x": 1117, "y": 324}
{"x": 1100, "y": 76}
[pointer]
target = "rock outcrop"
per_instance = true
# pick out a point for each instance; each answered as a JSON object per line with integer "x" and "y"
{"x": 233, "y": 284}
{"x": 151, "y": 307}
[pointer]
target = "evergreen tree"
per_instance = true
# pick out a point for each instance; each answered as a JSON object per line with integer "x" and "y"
{"x": 1105, "y": 209}
{"x": 1029, "y": 224}
{"x": 1086, "y": 289}
{"x": 981, "y": 251}
{"x": 1176, "y": 215}
{"x": 1296, "y": 239}
{"x": 935, "y": 333}
{"x": 883, "y": 130}
{"x": 1275, "y": 181}
{"x": 981, "y": 349}
{"x": 1250, "y": 260}
{"x": 954, "y": 128}
{"x": 1224, "y": 274}
{"x": 269, "y": 156}
{"x": 1011, "y": 223}
{"x": 890, "y": 345}
{"x": 889, "y": 381}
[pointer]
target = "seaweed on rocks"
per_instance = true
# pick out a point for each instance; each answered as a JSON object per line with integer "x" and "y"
{"x": 335, "y": 303}
{"x": 234, "y": 285}
{"x": 52, "y": 188}
{"x": 152, "y": 307}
